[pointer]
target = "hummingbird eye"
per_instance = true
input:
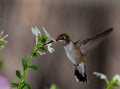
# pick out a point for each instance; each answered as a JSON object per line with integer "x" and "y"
{"x": 63, "y": 38}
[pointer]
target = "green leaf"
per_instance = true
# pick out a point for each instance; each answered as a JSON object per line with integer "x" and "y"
{"x": 34, "y": 52}
{"x": 34, "y": 67}
{"x": 53, "y": 86}
{"x": 42, "y": 48}
{"x": 1, "y": 64}
{"x": 24, "y": 84}
{"x": 18, "y": 74}
{"x": 14, "y": 85}
{"x": 28, "y": 86}
{"x": 43, "y": 38}
{"x": 24, "y": 63}
{"x": 2, "y": 43}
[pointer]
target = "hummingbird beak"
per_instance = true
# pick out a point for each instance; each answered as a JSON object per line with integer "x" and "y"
{"x": 50, "y": 42}
{"x": 57, "y": 39}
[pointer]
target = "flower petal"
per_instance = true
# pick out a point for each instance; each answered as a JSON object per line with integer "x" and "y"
{"x": 4, "y": 37}
{"x": 46, "y": 33}
{"x": 50, "y": 49}
{"x": 116, "y": 78}
{"x": 1, "y": 33}
{"x": 3, "y": 42}
{"x": 35, "y": 31}
{"x": 41, "y": 53}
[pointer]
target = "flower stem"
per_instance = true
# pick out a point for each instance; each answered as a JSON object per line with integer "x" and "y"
{"x": 110, "y": 85}
{"x": 107, "y": 81}
{"x": 24, "y": 76}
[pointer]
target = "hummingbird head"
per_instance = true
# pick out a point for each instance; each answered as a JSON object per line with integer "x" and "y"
{"x": 63, "y": 38}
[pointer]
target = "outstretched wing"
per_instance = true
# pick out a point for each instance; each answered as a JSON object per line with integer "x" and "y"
{"x": 90, "y": 43}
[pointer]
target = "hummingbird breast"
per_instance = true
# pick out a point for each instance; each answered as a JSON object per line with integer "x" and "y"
{"x": 73, "y": 53}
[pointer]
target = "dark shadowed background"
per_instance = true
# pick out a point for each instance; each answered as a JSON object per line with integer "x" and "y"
{"x": 79, "y": 19}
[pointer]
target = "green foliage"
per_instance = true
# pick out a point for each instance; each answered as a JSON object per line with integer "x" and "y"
{"x": 42, "y": 48}
{"x": 34, "y": 67}
{"x": 54, "y": 86}
{"x": 28, "y": 86}
{"x": 2, "y": 43}
{"x": 24, "y": 63}
{"x": 18, "y": 74}
{"x": 42, "y": 39}
{"x": 14, "y": 85}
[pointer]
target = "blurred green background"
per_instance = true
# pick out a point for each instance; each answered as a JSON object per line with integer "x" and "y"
{"x": 78, "y": 18}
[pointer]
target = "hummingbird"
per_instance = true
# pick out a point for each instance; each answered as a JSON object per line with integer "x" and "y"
{"x": 76, "y": 51}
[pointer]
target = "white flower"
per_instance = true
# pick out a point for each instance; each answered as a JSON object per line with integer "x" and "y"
{"x": 35, "y": 31}
{"x": 41, "y": 53}
{"x": 102, "y": 76}
{"x": 3, "y": 42}
{"x": 3, "y": 37}
{"x": 116, "y": 79}
{"x": 50, "y": 49}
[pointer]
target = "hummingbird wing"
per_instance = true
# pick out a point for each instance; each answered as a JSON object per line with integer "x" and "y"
{"x": 92, "y": 42}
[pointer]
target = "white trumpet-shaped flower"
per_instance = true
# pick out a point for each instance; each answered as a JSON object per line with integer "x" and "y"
{"x": 41, "y": 53}
{"x": 50, "y": 49}
{"x": 36, "y": 32}
{"x": 102, "y": 76}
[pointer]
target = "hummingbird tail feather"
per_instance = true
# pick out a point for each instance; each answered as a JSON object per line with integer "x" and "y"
{"x": 80, "y": 73}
